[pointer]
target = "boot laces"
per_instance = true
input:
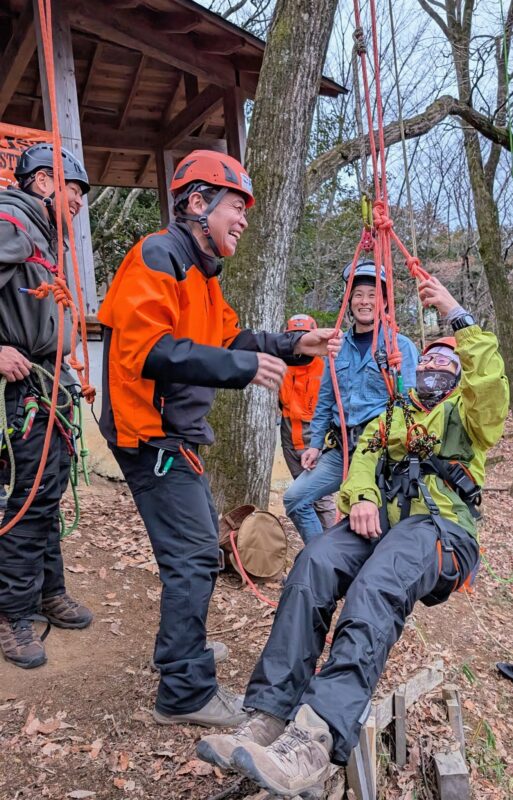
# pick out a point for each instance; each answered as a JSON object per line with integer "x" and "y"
{"x": 287, "y": 744}
{"x": 23, "y": 631}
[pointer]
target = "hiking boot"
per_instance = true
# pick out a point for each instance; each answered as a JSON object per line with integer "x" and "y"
{"x": 20, "y": 643}
{"x": 220, "y": 654}
{"x": 297, "y": 763}
{"x": 64, "y": 612}
{"x": 224, "y": 709}
{"x": 259, "y": 728}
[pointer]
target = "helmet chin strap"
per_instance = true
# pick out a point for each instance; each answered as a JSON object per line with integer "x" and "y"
{"x": 202, "y": 219}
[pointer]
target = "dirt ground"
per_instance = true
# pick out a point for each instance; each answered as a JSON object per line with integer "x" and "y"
{"x": 81, "y": 726}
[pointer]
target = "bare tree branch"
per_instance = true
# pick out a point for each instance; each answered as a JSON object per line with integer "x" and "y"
{"x": 326, "y": 165}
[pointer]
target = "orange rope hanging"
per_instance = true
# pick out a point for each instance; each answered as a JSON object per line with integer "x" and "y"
{"x": 378, "y": 237}
{"x": 59, "y": 288}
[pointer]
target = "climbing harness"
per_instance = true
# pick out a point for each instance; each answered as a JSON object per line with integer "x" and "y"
{"x": 58, "y": 288}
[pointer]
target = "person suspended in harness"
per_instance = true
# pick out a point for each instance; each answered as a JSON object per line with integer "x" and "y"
{"x": 298, "y": 397}
{"x": 31, "y": 565}
{"x": 364, "y": 396}
{"x": 457, "y": 412}
{"x": 171, "y": 339}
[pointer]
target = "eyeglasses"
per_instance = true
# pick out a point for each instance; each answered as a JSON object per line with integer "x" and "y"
{"x": 437, "y": 359}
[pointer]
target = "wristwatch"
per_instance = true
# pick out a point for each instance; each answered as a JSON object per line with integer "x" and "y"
{"x": 462, "y": 322}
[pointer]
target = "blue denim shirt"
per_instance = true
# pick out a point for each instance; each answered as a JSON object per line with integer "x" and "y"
{"x": 362, "y": 389}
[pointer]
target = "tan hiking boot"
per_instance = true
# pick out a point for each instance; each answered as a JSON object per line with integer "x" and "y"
{"x": 64, "y": 612}
{"x": 220, "y": 654}
{"x": 260, "y": 728}
{"x": 224, "y": 709}
{"x": 297, "y": 763}
{"x": 20, "y": 643}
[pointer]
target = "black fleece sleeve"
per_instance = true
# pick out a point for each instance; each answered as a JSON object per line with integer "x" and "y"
{"x": 182, "y": 361}
{"x": 275, "y": 344}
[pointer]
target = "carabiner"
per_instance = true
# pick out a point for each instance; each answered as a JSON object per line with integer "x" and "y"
{"x": 192, "y": 459}
{"x": 160, "y": 471}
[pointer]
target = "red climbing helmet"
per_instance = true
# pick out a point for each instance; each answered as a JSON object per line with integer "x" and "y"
{"x": 301, "y": 322}
{"x": 444, "y": 341}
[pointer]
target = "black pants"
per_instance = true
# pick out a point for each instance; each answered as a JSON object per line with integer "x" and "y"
{"x": 179, "y": 515}
{"x": 381, "y": 583}
{"x": 30, "y": 553}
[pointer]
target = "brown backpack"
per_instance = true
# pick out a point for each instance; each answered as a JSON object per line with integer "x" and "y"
{"x": 260, "y": 541}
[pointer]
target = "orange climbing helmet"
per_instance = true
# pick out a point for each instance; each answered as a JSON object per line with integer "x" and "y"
{"x": 301, "y": 322}
{"x": 214, "y": 169}
{"x": 444, "y": 341}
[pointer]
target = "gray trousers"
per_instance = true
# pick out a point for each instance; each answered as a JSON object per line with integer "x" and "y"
{"x": 381, "y": 582}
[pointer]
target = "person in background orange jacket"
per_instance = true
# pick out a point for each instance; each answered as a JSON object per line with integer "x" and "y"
{"x": 298, "y": 398}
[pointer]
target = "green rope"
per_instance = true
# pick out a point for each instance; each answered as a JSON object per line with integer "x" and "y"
{"x": 5, "y": 436}
{"x": 73, "y": 474}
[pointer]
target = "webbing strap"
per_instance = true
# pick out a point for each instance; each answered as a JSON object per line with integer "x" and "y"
{"x": 37, "y": 256}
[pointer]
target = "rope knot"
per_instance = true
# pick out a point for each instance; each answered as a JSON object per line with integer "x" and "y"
{"x": 381, "y": 220}
{"x": 359, "y": 41}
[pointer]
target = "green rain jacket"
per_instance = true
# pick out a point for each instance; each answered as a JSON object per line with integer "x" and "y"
{"x": 467, "y": 422}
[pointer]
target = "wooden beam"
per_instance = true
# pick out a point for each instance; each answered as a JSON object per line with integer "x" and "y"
{"x": 106, "y": 168}
{"x": 179, "y": 21}
{"x": 400, "y": 725}
{"x": 132, "y": 140}
{"x": 218, "y": 45}
{"x": 69, "y": 123}
{"x": 419, "y": 684}
{"x": 17, "y": 55}
{"x": 86, "y": 91}
{"x": 135, "y": 30}
{"x": 451, "y": 695}
{"x": 148, "y": 163}
{"x": 190, "y": 83}
{"x": 132, "y": 93}
{"x": 165, "y": 168}
{"x": 168, "y": 114}
{"x": 202, "y": 107}
{"x": 235, "y": 123}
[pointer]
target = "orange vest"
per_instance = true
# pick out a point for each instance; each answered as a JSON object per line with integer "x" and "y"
{"x": 298, "y": 397}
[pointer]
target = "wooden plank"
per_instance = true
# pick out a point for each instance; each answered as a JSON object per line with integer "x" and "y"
{"x": 168, "y": 112}
{"x": 356, "y": 775}
{"x": 368, "y": 747}
{"x": 147, "y": 165}
{"x": 235, "y": 123}
{"x": 132, "y": 93}
{"x": 106, "y": 167}
{"x": 452, "y": 776}
{"x": 132, "y": 140}
{"x": 202, "y": 107}
{"x": 451, "y": 695}
{"x": 136, "y": 31}
{"x": 421, "y": 683}
{"x": 69, "y": 123}
{"x": 86, "y": 91}
{"x": 400, "y": 725}
{"x": 17, "y": 55}
{"x": 165, "y": 168}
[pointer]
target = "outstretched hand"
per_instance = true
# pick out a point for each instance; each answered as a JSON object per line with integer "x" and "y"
{"x": 319, "y": 342}
{"x": 434, "y": 293}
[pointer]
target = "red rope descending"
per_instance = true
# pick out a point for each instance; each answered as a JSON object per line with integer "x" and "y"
{"x": 378, "y": 237}
{"x": 59, "y": 288}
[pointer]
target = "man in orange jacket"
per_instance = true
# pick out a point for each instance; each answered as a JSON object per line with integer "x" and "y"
{"x": 298, "y": 398}
{"x": 171, "y": 339}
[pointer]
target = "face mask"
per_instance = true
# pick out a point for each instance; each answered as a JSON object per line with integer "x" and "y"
{"x": 433, "y": 385}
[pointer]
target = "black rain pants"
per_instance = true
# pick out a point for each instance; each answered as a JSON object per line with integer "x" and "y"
{"x": 179, "y": 515}
{"x": 381, "y": 583}
{"x": 31, "y": 565}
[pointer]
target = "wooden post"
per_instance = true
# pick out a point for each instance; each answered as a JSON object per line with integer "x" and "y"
{"x": 452, "y": 776}
{"x": 69, "y": 123}
{"x": 451, "y": 696}
{"x": 165, "y": 167}
{"x": 235, "y": 123}
{"x": 400, "y": 725}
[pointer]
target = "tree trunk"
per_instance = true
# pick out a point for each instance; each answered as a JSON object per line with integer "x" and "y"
{"x": 255, "y": 279}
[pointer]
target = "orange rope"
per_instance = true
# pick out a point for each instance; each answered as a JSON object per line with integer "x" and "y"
{"x": 59, "y": 289}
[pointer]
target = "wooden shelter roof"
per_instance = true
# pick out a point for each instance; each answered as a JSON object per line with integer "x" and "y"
{"x": 150, "y": 75}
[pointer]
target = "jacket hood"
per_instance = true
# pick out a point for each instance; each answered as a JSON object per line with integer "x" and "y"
{"x": 32, "y": 208}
